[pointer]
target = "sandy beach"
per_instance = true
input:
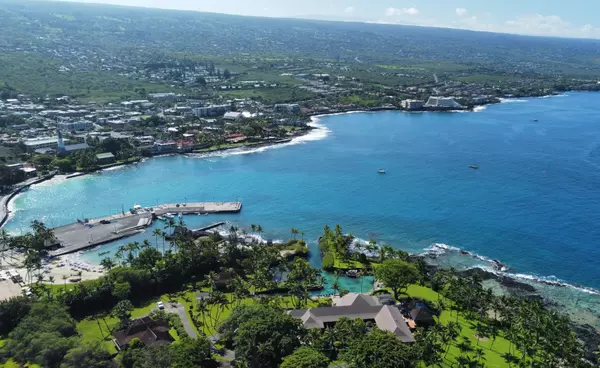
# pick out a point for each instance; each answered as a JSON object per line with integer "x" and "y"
{"x": 65, "y": 269}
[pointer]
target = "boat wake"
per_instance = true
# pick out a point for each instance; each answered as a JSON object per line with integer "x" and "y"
{"x": 499, "y": 269}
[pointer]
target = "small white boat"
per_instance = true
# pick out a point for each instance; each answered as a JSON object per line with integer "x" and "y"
{"x": 381, "y": 171}
{"x": 169, "y": 216}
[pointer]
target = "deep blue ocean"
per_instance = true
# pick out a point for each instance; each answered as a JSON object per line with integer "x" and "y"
{"x": 534, "y": 202}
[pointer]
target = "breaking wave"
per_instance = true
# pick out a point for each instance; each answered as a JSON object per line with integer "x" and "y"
{"x": 439, "y": 249}
{"x": 318, "y": 133}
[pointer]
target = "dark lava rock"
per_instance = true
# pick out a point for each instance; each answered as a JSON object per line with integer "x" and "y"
{"x": 590, "y": 338}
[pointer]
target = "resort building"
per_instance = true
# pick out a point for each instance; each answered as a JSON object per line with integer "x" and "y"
{"x": 352, "y": 306}
{"x": 442, "y": 103}
{"x": 412, "y": 104}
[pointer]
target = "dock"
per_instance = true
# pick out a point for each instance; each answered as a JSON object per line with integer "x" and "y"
{"x": 83, "y": 235}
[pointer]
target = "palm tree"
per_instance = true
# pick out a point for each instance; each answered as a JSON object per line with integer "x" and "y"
{"x": 259, "y": 229}
{"x": 170, "y": 225}
{"x": 253, "y": 227}
{"x": 294, "y": 232}
{"x": 107, "y": 263}
{"x": 157, "y": 233}
{"x": 65, "y": 277}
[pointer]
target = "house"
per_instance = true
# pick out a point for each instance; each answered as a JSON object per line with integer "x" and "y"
{"x": 150, "y": 332}
{"x": 353, "y": 306}
{"x": 105, "y": 158}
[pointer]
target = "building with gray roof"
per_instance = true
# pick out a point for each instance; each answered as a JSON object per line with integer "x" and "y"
{"x": 353, "y": 306}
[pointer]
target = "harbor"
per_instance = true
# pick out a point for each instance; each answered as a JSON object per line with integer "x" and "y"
{"x": 89, "y": 233}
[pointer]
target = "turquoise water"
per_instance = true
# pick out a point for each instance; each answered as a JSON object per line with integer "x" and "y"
{"x": 534, "y": 203}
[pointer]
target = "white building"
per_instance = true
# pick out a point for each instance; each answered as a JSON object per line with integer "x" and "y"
{"x": 234, "y": 116}
{"x": 41, "y": 142}
{"x": 442, "y": 102}
{"x": 412, "y": 104}
{"x": 214, "y": 110}
{"x": 75, "y": 126}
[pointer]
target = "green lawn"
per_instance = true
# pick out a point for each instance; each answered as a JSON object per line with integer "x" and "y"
{"x": 98, "y": 330}
{"x": 493, "y": 349}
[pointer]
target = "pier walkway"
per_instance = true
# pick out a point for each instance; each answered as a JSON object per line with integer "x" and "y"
{"x": 79, "y": 236}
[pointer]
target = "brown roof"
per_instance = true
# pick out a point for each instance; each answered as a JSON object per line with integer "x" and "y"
{"x": 150, "y": 332}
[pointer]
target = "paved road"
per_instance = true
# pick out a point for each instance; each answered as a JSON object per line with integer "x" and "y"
{"x": 179, "y": 309}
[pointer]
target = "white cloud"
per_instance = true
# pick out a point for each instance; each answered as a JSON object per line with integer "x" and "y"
{"x": 391, "y": 12}
{"x": 461, "y": 12}
{"x": 530, "y": 24}
{"x": 349, "y": 9}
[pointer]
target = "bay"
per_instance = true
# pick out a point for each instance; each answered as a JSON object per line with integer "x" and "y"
{"x": 533, "y": 204}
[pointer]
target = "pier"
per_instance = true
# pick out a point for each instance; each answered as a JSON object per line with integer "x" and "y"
{"x": 83, "y": 235}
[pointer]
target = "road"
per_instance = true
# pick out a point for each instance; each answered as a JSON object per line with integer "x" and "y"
{"x": 179, "y": 309}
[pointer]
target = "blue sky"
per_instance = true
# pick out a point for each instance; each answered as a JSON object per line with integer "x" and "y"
{"x": 565, "y": 18}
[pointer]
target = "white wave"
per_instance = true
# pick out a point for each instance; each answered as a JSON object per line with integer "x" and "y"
{"x": 318, "y": 133}
{"x": 116, "y": 168}
{"x": 551, "y": 96}
{"x": 440, "y": 249}
{"x": 552, "y": 281}
{"x": 224, "y": 231}
{"x": 512, "y": 100}
{"x": 479, "y": 108}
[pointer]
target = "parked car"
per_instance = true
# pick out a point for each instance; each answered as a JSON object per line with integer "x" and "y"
{"x": 160, "y": 305}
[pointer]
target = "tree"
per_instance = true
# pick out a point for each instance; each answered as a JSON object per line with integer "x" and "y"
{"x": 12, "y": 311}
{"x": 226, "y": 74}
{"x": 379, "y": 349}
{"x": 89, "y": 355}
{"x": 397, "y": 275}
{"x": 305, "y": 357}
{"x": 44, "y": 336}
{"x": 262, "y": 335}
{"x": 123, "y": 311}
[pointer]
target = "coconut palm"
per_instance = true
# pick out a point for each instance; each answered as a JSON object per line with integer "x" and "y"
{"x": 294, "y": 232}
{"x": 65, "y": 277}
{"x": 157, "y": 233}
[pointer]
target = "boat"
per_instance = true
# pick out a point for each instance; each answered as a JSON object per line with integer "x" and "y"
{"x": 535, "y": 120}
{"x": 352, "y": 273}
{"x": 474, "y": 167}
{"x": 103, "y": 253}
{"x": 169, "y": 216}
{"x": 381, "y": 171}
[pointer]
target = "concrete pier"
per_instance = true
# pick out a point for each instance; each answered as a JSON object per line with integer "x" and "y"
{"x": 79, "y": 236}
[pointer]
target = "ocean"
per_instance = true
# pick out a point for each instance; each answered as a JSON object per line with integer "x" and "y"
{"x": 533, "y": 203}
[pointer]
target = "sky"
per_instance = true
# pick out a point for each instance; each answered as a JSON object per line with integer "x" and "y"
{"x": 562, "y": 18}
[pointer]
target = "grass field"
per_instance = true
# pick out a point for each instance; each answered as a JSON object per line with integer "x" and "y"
{"x": 493, "y": 349}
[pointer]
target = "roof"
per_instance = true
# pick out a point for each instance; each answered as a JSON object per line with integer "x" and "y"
{"x": 150, "y": 332}
{"x": 105, "y": 155}
{"x": 40, "y": 141}
{"x": 353, "y": 306}
{"x": 421, "y": 315}
{"x": 390, "y": 319}
{"x": 76, "y": 147}
{"x": 357, "y": 300}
